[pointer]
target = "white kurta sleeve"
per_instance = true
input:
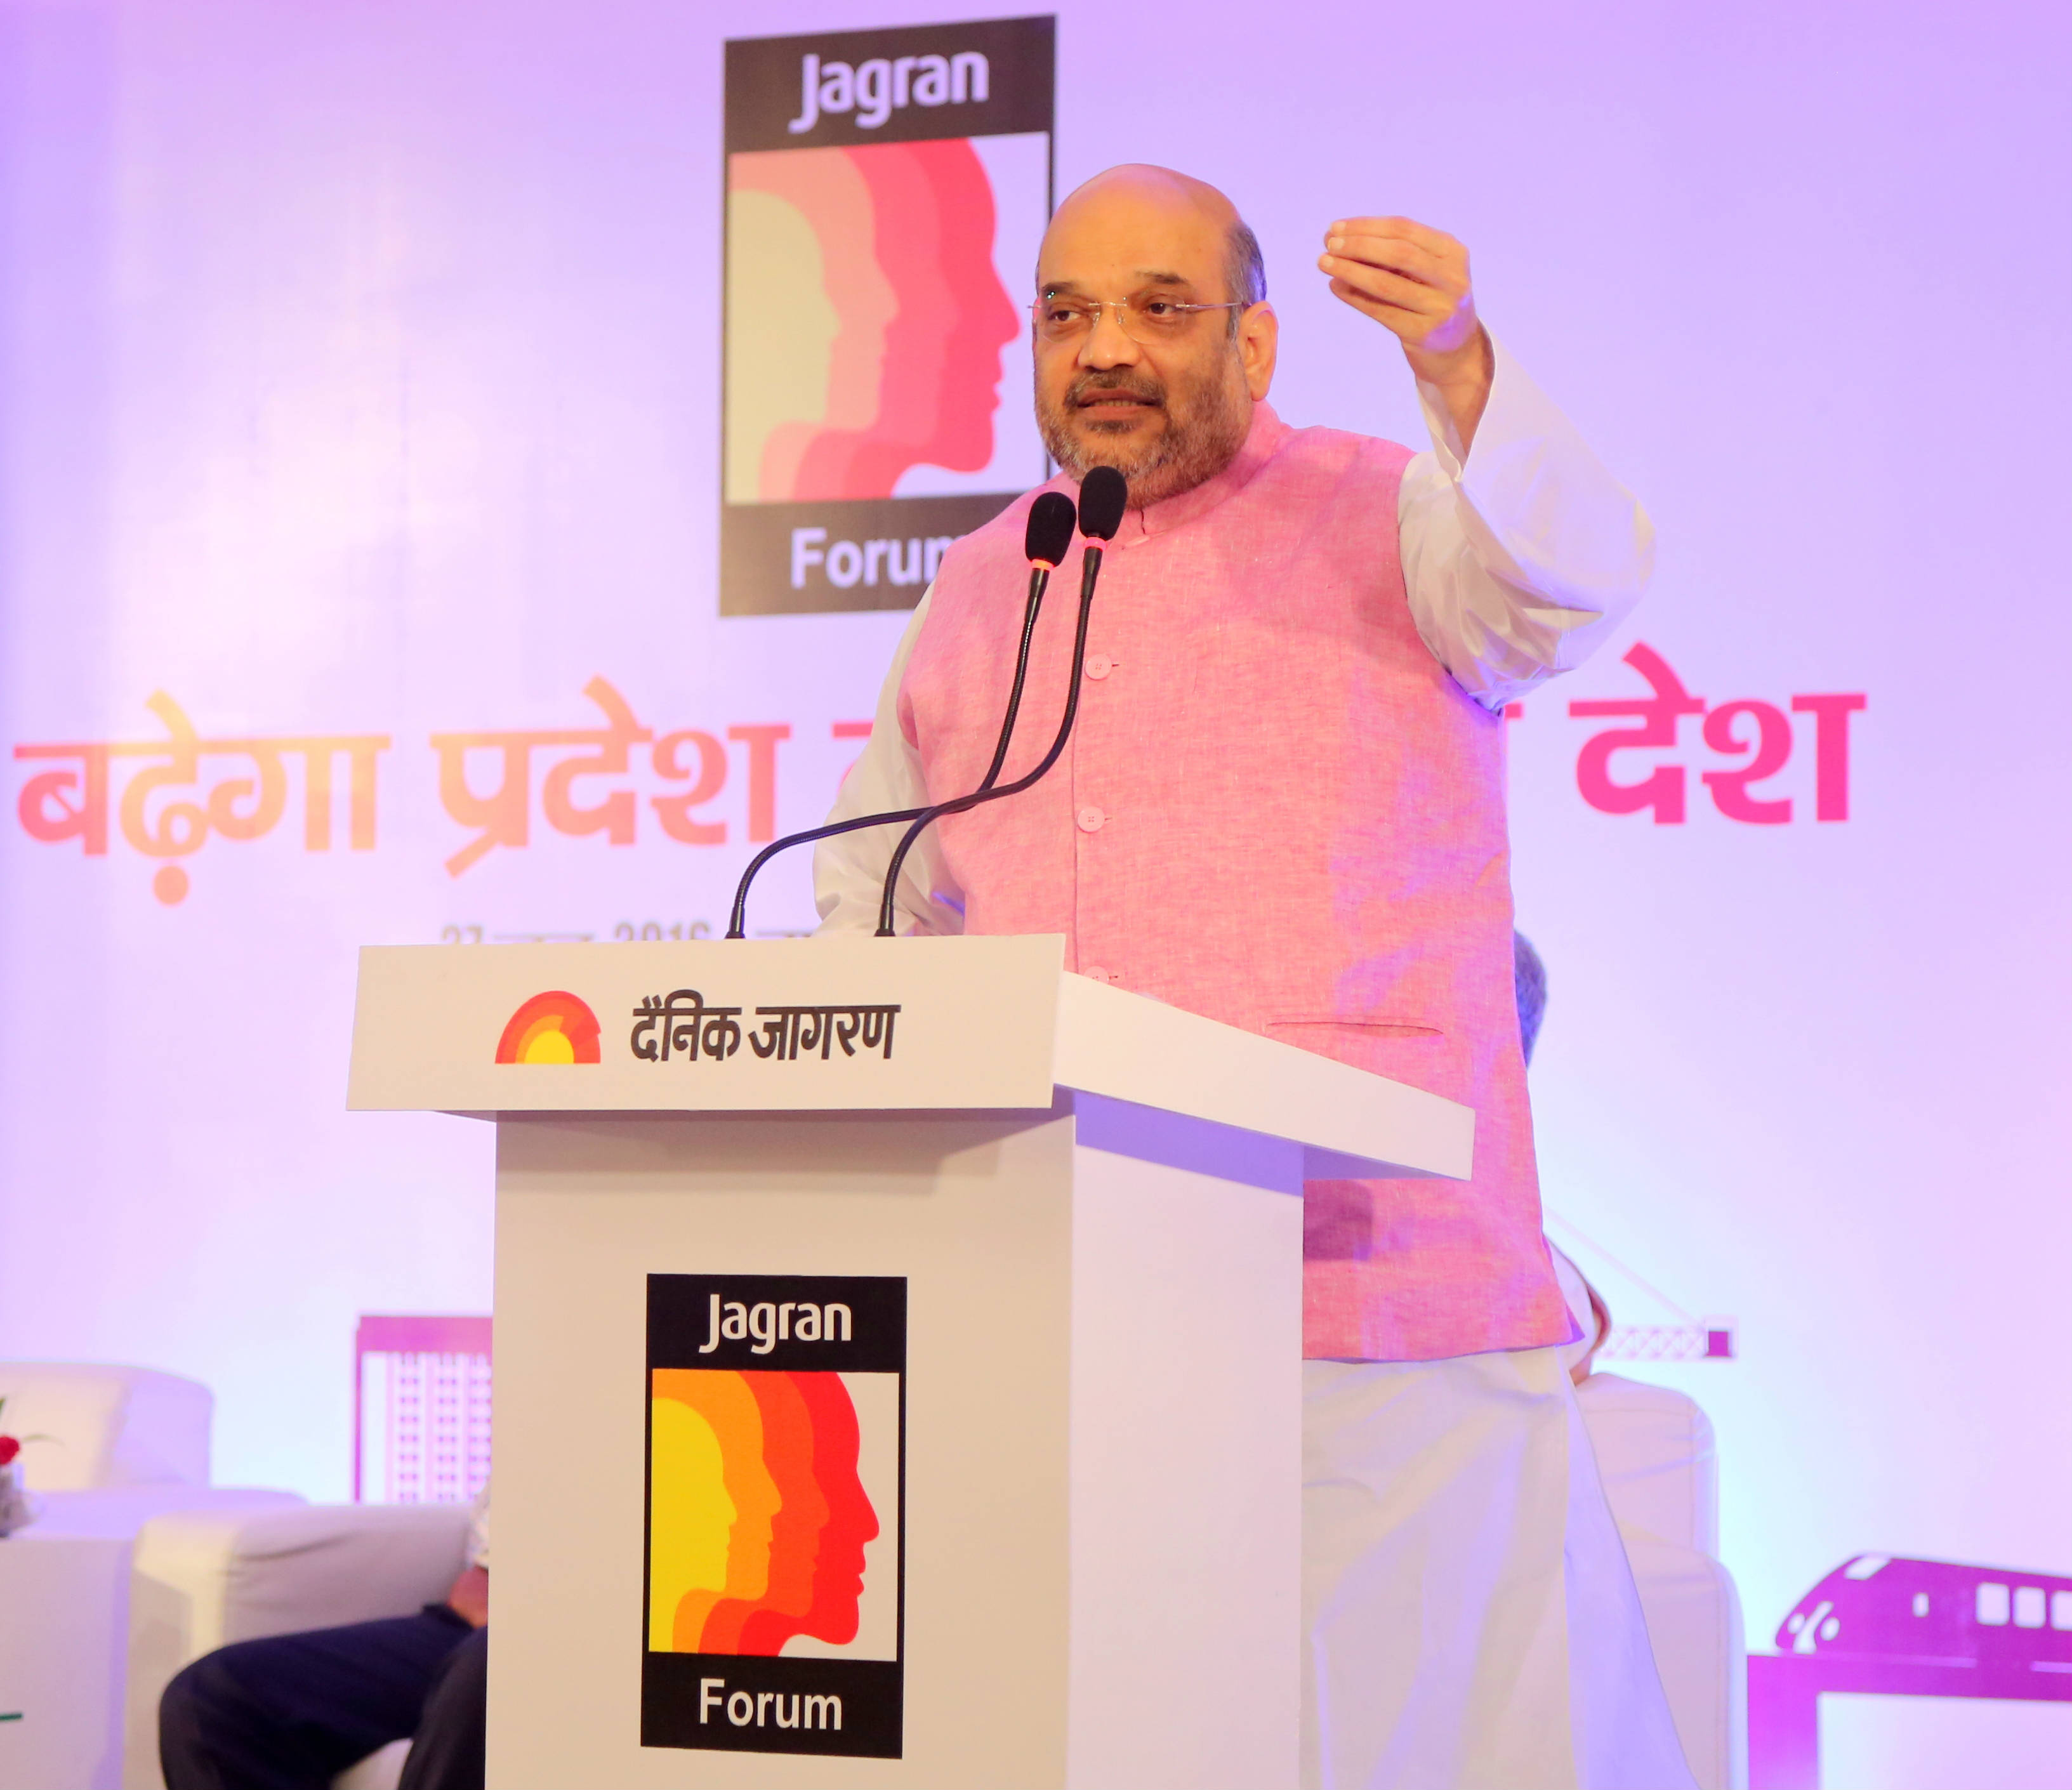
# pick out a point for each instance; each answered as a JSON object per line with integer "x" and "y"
{"x": 849, "y": 870}
{"x": 477, "y": 1551}
{"x": 1520, "y": 563}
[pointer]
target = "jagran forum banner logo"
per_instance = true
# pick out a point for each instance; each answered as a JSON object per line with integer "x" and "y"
{"x": 886, "y": 193}
{"x": 775, "y": 1469}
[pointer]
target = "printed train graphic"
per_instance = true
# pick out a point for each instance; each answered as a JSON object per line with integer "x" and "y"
{"x": 1932, "y": 1610}
{"x": 1884, "y": 1626}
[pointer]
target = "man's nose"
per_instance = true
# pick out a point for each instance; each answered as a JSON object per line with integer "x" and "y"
{"x": 1107, "y": 344}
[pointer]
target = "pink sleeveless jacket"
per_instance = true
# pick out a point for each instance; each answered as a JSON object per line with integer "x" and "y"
{"x": 1280, "y": 810}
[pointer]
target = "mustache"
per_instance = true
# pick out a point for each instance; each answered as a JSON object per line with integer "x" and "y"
{"x": 1151, "y": 391}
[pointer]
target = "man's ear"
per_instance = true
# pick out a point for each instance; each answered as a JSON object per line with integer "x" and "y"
{"x": 1258, "y": 342}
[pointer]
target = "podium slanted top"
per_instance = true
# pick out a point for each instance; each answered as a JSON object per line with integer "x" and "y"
{"x": 849, "y": 1025}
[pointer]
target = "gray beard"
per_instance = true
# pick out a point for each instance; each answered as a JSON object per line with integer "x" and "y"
{"x": 1201, "y": 437}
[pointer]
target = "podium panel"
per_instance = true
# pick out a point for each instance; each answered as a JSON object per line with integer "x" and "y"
{"x": 1095, "y": 1546}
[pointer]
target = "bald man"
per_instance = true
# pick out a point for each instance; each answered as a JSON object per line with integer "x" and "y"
{"x": 1283, "y": 808}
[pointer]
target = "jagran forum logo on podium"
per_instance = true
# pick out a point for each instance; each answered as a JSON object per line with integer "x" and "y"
{"x": 886, "y": 193}
{"x": 556, "y": 1027}
{"x": 776, "y": 1465}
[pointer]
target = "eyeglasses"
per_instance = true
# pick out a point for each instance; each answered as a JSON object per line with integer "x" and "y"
{"x": 1147, "y": 318}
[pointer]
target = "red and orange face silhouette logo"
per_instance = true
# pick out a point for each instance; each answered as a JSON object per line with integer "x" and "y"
{"x": 866, "y": 334}
{"x": 759, "y": 1517}
{"x": 775, "y": 1441}
{"x": 552, "y": 1027}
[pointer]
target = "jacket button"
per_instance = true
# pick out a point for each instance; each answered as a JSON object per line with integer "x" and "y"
{"x": 1099, "y": 665}
{"x": 1091, "y": 819}
{"x": 1094, "y": 973}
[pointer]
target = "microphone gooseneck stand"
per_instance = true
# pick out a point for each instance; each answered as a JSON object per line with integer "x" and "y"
{"x": 1101, "y": 502}
{"x": 1051, "y": 520}
{"x": 737, "y": 923}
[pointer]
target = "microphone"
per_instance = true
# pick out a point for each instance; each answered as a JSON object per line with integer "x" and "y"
{"x": 1045, "y": 541}
{"x": 1104, "y": 497}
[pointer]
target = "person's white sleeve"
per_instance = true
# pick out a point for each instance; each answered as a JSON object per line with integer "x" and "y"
{"x": 477, "y": 1552}
{"x": 849, "y": 870}
{"x": 1521, "y": 562}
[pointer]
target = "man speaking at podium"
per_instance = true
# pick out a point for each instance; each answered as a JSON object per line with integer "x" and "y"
{"x": 1283, "y": 808}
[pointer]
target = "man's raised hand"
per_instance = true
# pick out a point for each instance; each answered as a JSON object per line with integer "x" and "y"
{"x": 1414, "y": 280}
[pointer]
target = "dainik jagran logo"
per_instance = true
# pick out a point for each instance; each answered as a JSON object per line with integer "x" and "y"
{"x": 554, "y": 1027}
{"x": 775, "y": 1435}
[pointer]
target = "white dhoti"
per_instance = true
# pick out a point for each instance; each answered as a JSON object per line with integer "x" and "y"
{"x": 1469, "y": 1621}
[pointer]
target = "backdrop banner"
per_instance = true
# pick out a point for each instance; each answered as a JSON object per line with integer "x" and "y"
{"x": 383, "y": 562}
{"x": 885, "y": 194}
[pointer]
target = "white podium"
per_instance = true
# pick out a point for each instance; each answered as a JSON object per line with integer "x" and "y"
{"x": 898, "y": 1357}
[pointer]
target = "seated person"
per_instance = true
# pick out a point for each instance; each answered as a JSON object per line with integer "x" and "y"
{"x": 1586, "y": 1305}
{"x": 290, "y": 1712}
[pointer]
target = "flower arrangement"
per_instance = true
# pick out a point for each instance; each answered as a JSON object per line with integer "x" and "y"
{"x": 15, "y": 1509}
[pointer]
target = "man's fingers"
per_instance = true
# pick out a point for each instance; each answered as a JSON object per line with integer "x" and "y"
{"x": 1396, "y": 290}
{"x": 1407, "y": 321}
{"x": 1405, "y": 324}
{"x": 1398, "y": 255}
{"x": 1434, "y": 242}
{"x": 1409, "y": 277}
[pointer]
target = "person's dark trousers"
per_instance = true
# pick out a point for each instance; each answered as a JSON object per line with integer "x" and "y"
{"x": 447, "y": 1754}
{"x": 292, "y": 1711}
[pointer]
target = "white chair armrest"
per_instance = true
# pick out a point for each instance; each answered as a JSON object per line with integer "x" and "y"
{"x": 1694, "y": 1626}
{"x": 201, "y": 1580}
{"x": 1654, "y": 1452}
{"x": 121, "y": 1511}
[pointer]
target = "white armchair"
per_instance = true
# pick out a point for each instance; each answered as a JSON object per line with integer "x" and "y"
{"x": 202, "y": 1579}
{"x": 109, "y": 1426}
{"x": 1654, "y": 1451}
{"x": 128, "y": 1444}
